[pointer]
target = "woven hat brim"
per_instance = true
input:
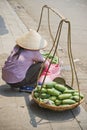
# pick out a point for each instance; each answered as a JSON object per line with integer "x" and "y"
{"x": 32, "y": 41}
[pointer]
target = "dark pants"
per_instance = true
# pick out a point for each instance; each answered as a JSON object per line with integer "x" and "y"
{"x": 31, "y": 76}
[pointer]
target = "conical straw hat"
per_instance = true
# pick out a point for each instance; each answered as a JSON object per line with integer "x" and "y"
{"x": 32, "y": 41}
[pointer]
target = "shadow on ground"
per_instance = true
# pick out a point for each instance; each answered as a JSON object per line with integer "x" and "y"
{"x": 3, "y": 29}
{"x": 38, "y": 115}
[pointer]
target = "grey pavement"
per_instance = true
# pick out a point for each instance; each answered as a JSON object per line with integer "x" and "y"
{"x": 17, "y": 110}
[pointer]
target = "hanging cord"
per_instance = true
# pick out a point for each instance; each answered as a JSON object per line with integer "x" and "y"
{"x": 70, "y": 52}
{"x": 49, "y": 26}
{"x": 56, "y": 40}
{"x": 50, "y": 35}
{"x": 71, "y": 60}
{"x": 55, "y": 43}
{"x": 45, "y": 6}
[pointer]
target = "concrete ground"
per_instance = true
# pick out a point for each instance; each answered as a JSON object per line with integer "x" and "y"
{"x": 17, "y": 110}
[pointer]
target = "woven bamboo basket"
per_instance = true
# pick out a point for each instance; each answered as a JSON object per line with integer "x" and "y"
{"x": 56, "y": 108}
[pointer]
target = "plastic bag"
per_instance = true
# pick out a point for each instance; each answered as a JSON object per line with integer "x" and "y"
{"x": 53, "y": 72}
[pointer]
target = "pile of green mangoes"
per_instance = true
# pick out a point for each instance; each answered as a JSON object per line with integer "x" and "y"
{"x": 57, "y": 94}
{"x": 55, "y": 59}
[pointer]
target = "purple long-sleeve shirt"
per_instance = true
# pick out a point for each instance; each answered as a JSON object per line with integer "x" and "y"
{"x": 14, "y": 69}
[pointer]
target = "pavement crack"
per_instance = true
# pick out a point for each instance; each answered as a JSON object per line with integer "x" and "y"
{"x": 77, "y": 120}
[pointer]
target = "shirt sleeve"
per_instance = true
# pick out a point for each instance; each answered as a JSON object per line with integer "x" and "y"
{"x": 38, "y": 57}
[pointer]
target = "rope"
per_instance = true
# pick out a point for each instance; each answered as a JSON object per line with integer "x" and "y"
{"x": 56, "y": 42}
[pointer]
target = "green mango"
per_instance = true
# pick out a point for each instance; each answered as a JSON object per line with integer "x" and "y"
{"x": 68, "y": 101}
{"x": 77, "y": 94}
{"x": 53, "y": 92}
{"x": 53, "y": 98}
{"x": 36, "y": 94}
{"x": 64, "y": 96}
{"x": 43, "y": 90}
{"x": 51, "y": 84}
{"x": 57, "y": 102}
{"x": 44, "y": 95}
{"x": 60, "y": 87}
{"x": 76, "y": 98}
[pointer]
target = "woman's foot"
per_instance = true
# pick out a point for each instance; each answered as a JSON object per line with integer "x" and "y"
{"x": 26, "y": 89}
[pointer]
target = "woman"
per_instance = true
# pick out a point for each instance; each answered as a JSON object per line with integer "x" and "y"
{"x": 22, "y": 67}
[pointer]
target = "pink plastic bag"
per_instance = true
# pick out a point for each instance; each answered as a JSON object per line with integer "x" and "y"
{"x": 53, "y": 72}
